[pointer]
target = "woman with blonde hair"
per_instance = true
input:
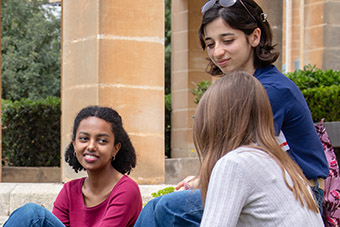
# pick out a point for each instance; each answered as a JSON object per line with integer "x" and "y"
{"x": 245, "y": 177}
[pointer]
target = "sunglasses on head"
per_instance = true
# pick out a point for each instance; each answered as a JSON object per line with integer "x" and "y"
{"x": 225, "y": 3}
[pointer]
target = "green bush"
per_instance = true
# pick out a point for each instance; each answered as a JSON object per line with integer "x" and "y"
{"x": 201, "y": 87}
{"x": 31, "y": 132}
{"x": 321, "y": 89}
{"x": 323, "y": 102}
{"x": 163, "y": 191}
{"x": 312, "y": 77}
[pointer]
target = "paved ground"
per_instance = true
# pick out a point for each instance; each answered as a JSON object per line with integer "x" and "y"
{"x": 2, "y": 220}
{"x": 14, "y": 195}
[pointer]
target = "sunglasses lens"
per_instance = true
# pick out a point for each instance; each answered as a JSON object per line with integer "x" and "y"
{"x": 211, "y": 3}
{"x": 227, "y": 3}
{"x": 208, "y": 5}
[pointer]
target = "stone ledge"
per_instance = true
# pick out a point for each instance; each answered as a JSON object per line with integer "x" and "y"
{"x": 40, "y": 193}
{"x": 5, "y": 193}
{"x": 14, "y": 195}
{"x": 333, "y": 131}
{"x": 176, "y": 169}
{"x": 31, "y": 174}
{"x": 3, "y": 219}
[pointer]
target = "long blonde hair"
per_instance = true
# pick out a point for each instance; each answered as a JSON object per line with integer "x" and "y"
{"x": 233, "y": 112}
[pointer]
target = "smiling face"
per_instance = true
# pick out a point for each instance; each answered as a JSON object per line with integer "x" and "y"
{"x": 94, "y": 144}
{"x": 230, "y": 49}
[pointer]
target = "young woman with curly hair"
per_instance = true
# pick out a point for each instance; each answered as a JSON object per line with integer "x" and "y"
{"x": 107, "y": 196}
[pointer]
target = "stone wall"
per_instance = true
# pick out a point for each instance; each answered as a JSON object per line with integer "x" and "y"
{"x": 113, "y": 55}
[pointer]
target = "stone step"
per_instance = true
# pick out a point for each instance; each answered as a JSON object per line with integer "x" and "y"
{"x": 15, "y": 195}
{"x": 3, "y": 219}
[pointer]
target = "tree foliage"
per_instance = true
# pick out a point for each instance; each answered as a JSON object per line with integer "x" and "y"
{"x": 167, "y": 46}
{"x": 167, "y": 78}
{"x": 30, "y": 49}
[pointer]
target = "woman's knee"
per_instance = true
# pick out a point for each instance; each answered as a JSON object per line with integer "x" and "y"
{"x": 178, "y": 202}
{"x": 28, "y": 209}
{"x": 183, "y": 208}
{"x": 24, "y": 214}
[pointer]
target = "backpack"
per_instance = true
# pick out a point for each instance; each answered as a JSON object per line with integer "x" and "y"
{"x": 331, "y": 199}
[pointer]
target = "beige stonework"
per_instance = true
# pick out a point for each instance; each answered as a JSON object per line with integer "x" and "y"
{"x": 313, "y": 33}
{"x": 188, "y": 65}
{"x": 273, "y": 8}
{"x": 315, "y": 28}
{"x": 296, "y": 22}
{"x": 112, "y": 55}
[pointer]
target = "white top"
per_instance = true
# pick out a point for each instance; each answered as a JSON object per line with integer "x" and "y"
{"x": 247, "y": 188}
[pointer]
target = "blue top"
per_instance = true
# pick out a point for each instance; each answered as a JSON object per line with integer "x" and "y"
{"x": 293, "y": 117}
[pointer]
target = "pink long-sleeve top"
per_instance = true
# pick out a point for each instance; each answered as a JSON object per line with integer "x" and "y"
{"x": 121, "y": 208}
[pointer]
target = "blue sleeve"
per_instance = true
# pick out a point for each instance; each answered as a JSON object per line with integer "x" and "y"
{"x": 278, "y": 109}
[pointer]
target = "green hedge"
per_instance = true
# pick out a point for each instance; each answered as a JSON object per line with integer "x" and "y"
{"x": 324, "y": 102}
{"x": 312, "y": 77}
{"x": 31, "y": 132}
{"x": 201, "y": 87}
{"x": 321, "y": 89}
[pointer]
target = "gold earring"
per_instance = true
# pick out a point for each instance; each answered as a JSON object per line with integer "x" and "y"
{"x": 113, "y": 158}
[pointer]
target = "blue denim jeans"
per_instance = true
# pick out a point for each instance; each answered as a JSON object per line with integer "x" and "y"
{"x": 33, "y": 215}
{"x": 318, "y": 196}
{"x": 182, "y": 208}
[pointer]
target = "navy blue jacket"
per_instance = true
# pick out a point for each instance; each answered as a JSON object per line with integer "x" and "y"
{"x": 293, "y": 117}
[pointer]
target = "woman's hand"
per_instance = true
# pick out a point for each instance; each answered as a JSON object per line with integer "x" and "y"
{"x": 190, "y": 182}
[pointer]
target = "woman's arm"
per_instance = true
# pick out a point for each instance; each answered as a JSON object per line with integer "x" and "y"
{"x": 60, "y": 207}
{"x": 190, "y": 182}
{"x": 227, "y": 194}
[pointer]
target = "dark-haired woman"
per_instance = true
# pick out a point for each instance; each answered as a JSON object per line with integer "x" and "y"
{"x": 237, "y": 36}
{"x": 106, "y": 197}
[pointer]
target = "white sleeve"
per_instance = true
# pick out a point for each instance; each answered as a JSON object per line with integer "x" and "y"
{"x": 228, "y": 191}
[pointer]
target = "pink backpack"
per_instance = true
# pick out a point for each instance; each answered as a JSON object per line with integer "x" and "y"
{"x": 331, "y": 199}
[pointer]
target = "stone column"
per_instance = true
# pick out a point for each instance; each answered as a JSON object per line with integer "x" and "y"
{"x": 296, "y": 37}
{"x": 321, "y": 32}
{"x": 113, "y": 55}
{"x": 274, "y": 9}
{"x": 188, "y": 65}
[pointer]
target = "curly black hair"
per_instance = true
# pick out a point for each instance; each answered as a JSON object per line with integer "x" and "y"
{"x": 238, "y": 18}
{"x": 126, "y": 157}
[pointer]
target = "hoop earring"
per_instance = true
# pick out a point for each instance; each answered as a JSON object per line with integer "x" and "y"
{"x": 113, "y": 158}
